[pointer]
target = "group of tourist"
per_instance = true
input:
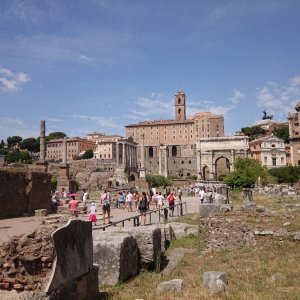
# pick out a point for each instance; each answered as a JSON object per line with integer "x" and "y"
{"x": 132, "y": 201}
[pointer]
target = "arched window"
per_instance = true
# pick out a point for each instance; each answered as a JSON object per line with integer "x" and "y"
{"x": 179, "y": 101}
{"x": 150, "y": 151}
{"x": 174, "y": 151}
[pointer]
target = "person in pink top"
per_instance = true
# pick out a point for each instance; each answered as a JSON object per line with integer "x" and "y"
{"x": 73, "y": 207}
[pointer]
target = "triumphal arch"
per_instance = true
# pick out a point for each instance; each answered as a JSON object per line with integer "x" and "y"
{"x": 219, "y": 151}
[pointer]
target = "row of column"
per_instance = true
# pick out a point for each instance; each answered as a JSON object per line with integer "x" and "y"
{"x": 128, "y": 154}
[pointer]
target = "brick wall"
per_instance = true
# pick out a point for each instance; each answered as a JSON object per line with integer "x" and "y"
{"x": 23, "y": 192}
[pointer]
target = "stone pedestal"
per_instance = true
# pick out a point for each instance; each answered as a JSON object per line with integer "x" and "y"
{"x": 248, "y": 196}
{"x": 69, "y": 185}
{"x": 142, "y": 173}
{"x": 63, "y": 171}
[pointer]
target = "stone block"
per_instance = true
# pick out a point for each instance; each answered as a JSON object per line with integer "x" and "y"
{"x": 215, "y": 281}
{"x": 249, "y": 206}
{"x": 296, "y": 236}
{"x": 74, "y": 250}
{"x": 207, "y": 209}
{"x": 174, "y": 285}
{"x": 116, "y": 253}
{"x": 179, "y": 230}
{"x": 225, "y": 208}
{"x": 149, "y": 241}
{"x": 260, "y": 209}
{"x": 220, "y": 199}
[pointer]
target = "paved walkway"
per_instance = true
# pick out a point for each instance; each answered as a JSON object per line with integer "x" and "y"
{"x": 18, "y": 226}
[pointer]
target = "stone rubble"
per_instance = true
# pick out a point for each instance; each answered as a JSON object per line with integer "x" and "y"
{"x": 26, "y": 260}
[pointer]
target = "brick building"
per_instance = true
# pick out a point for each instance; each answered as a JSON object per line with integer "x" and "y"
{"x": 75, "y": 147}
{"x": 170, "y": 145}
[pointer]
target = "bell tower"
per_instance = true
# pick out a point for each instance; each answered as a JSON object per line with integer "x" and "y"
{"x": 180, "y": 111}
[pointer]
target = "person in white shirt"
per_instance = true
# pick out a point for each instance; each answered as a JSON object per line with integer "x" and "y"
{"x": 85, "y": 197}
{"x": 129, "y": 197}
{"x": 160, "y": 200}
{"x": 201, "y": 194}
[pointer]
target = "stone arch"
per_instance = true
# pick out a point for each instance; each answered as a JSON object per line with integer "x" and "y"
{"x": 205, "y": 172}
{"x": 174, "y": 151}
{"x": 222, "y": 165}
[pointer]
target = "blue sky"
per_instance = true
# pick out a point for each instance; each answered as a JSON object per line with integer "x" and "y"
{"x": 97, "y": 65}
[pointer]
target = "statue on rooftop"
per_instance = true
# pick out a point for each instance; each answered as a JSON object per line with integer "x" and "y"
{"x": 266, "y": 117}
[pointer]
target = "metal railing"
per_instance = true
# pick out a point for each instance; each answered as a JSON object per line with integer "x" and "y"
{"x": 181, "y": 208}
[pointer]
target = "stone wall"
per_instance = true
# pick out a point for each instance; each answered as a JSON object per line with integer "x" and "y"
{"x": 23, "y": 192}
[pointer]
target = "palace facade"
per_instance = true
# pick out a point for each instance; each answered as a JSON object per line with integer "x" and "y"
{"x": 170, "y": 145}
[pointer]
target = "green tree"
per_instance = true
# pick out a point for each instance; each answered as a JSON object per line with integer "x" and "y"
{"x": 17, "y": 155}
{"x": 2, "y": 144}
{"x": 247, "y": 171}
{"x": 289, "y": 174}
{"x": 31, "y": 144}
{"x": 13, "y": 141}
{"x": 158, "y": 181}
{"x": 253, "y": 132}
{"x": 282, "y": 133}
{"x": 55, "y": 135}
{"x": 87, "y": 154}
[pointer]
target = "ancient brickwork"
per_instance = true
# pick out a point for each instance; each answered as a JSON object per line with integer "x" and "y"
{"x": 24, "y": 192}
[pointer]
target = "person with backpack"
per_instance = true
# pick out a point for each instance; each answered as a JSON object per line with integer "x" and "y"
{"x": 143, "y": 207}
{"x": 171, "y": 200}
{"x": 105, "y": 202}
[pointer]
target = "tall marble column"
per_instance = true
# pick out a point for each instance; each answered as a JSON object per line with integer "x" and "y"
{"x": 142, "y": 151}
{"x": 198, "y": 162}
{"x": 42, "y": 141}
{"x": 117, "y": 154}
{"x": 166, "y": 161}
{"x": 64, "y": 151}
{"x": 124, "y": 155}
{"x": 142, "y": 171}
{"x": 159, "y": 161}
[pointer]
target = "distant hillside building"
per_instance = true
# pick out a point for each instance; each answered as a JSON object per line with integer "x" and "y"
{"x": 270, "y": 151}
{"x": 75, "y": 147}
{"x": 170, "y": 145}
{"x": 269, "y": 125}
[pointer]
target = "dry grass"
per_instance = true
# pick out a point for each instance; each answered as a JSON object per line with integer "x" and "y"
{"x": 248, "y": 269}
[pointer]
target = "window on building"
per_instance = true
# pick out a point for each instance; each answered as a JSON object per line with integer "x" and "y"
{"x": 266, "y": 159}
{"x": 273, "y": 161}
{"x": 151, "y": 151}
{"x": 273, "y": 145}
{"x": 174, "y": 151}
{"x": 188, "y": 174}
{"x": 182, "y": 162}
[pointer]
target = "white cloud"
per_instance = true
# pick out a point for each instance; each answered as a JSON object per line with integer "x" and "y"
{"x": 279, "y": 99}
{"x": 105, "y": 122}
{"x": 206, "y": 105}
{"x": 237, "y": 97}
{"x": 153, "y": 107}
{"x": 295, "y": 81}
{"x": 16, "y": 126}
{"x": 10, "y": 81}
